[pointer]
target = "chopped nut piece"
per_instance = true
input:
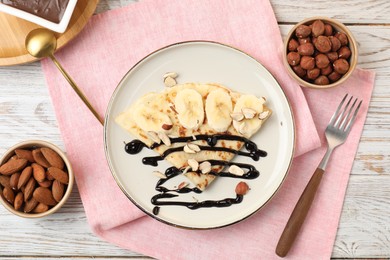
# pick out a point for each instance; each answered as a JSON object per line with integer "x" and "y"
{"x": 170, "y": 74}
{"x": 263, "y": 115}
{"x": 159, "y": 174}
{"x": 164, "y": 138}
{"x": 154, "y": 137}
{"x": 193, "y": 164}
{"x": 191, "y": 148}
{"x": 182, "y": 185}
{"x": 234, "y": 169}
{"x": 169, "y": 82}
{"x": 167, "y": 127}
{"x": 205, "y": 167}
{"x": 237, "y": 116}
{"x": 249, "y": 113}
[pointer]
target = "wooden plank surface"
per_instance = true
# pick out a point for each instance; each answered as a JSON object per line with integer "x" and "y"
{"x": 26, "y": 112}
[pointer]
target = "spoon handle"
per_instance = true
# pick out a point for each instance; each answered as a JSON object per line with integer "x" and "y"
{"x": 76, "y": 89}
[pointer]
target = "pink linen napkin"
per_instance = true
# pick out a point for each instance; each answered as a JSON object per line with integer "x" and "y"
{"x": 112, "y": 43}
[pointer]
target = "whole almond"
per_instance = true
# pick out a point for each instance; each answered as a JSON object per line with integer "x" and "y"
{"x": 25, "y": 154}
{"x": 58, "y": 190}
{"x": 39, "y": 158}
{"x": 45, "y": 183}
{"x": 53, "y": 158}
{"x": 59, "y": 175}
{"x": 44, "y": 195}
{"x": 49, "y": 176}
{"x": 9, "y": 195}
{"x": 13, "y": 181}
{"x": 4, "y": 181}
{"x": 18, "y": 200}
{"x": 40, "y": 208}
{"x": 30, "y": 205}
{"x": 24, "y": 176}
{"x": 38, "y": 172}
{"x": 29, "y": 188}
{"x": 12, "y": 166}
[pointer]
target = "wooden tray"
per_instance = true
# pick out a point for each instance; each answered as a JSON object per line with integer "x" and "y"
{"x": 13, "y": 32}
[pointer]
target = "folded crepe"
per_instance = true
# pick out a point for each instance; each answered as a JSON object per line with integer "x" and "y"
{"x": 190, "y": 112}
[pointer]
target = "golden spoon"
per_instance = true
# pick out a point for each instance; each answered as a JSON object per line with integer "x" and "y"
{"x": 42, "y": 43}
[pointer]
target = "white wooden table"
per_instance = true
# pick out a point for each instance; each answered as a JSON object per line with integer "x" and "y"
{"x": 26, "y": 112}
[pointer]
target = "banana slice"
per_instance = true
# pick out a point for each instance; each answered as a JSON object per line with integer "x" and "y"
{"x": 248, "y": 127}
{"x": 149, "y": 119}
{"x": 218, "y": 109}
{"x": 189, "y": 106}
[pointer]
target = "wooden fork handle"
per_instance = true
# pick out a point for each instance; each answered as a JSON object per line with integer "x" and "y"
{"x": 299, "y": 214}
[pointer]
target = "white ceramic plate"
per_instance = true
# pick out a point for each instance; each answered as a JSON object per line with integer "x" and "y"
{"x": 204, "y": 62}
{"x": 57, "y": 27}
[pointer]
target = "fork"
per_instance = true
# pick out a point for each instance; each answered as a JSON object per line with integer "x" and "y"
{"x": 336, "y": 133}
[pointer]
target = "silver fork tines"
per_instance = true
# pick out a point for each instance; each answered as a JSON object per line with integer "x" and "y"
{"x": 346, "y": 120}
{"x": 340, "y": 125}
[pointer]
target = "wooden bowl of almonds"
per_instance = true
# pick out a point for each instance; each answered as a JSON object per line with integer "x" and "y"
{"x": 320, "y": 52}
{"x": 36, "y": 179}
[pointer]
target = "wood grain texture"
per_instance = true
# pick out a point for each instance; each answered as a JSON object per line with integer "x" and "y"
{"x": 26, "y": 112}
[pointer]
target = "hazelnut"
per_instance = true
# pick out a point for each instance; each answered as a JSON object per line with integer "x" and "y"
{"x": 322, "y": 61}
{"x": 318, "y": 28}
{"x": 323, "y": 44}
{"x": 344, "y": 52}
{"x": 332, "y": 56}
{"x": 327, "y": 70}
{"x": 307, "y": 62}
{"x": 299, "y": 71}
{"x": 342, "y": 38}
{"x": 328, "y": 30}
{"x": 341, "y": 66}
{"x": 334, "y": 76}
{"x": 304, "y": 40}
{"x": 306, "y": 49}
{"x": 303, "y": 31}
{"x": 336, "y": 44}
{"x": 293, "y": 58}
{"x": 313, "y": 73}
{"x": 293, "y": 45}
{"x": 322, "y": 80}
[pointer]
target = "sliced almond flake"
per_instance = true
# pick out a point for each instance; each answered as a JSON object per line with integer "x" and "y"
{"x": 205, "y": 167}
{"x": 159, "y": 174}
{"x": 237, "y": 116}
{"x": 193, "y": 164}
{"x": 187, "y": 149}
{"x": 194, "y": 147}
{"x": 164, "y": 138}
{"x": 170, "y": 74}
{"x": 193, "y": 137}
{"x": 263, "y": 115}
{"x": 153, "y": 136}
{"x": 234, "y": 169}
{"x": 248, "y": 113}
{"x": 242, "y": 129}
{"x": 169, "y": 82}
{"x": 186, "y": 169}
{"x": 182, "y": 185}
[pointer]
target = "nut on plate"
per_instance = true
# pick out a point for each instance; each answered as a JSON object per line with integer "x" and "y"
{"x": 320, "y": 52}
{"x": 36, "y": 179}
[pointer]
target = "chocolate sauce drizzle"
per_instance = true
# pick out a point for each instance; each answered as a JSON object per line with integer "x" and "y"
{"x": 160, "y": 199}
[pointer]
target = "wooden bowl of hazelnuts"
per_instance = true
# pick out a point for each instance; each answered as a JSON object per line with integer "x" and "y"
{"x": 320, "y": 52}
